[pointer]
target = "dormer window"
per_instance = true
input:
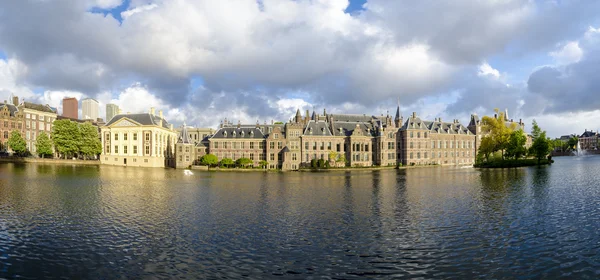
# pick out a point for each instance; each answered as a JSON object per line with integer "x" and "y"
{"x": 251, "y": 132}
{"x": 234, "y": 133}
{"x": 242, "y": 133}
{"x": 323, "y": 130}
{"x": 225, "y": 133}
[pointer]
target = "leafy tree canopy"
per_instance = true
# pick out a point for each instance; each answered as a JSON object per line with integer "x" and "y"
{"x": 209, "y": 160}
{"x": 17, "y": 143}
{"x": 66, "y": 137}
{"x": 243, "y": 161}
{"x": 44, "y": 145}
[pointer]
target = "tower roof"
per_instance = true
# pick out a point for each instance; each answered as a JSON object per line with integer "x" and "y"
{"x": 183, "y": 136}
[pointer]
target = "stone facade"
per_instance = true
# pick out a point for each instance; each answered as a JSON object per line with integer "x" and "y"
{"x": 38, "y": 118}
{"x": 343, "y": 140}
{"x": 589, "y": 140}
{"x": 146, "y": 140}
{"x": 10, "y": 119}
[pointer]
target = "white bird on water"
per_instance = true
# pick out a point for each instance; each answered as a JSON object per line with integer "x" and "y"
{"x": 188, "y": 172}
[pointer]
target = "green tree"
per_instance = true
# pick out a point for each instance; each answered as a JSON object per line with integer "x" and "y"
{"x": 90, "y": 145}
{"x": 541, "y": 144}
{"x": 498, "y": 131}
{"x": 17, "y": 143}
{"x": 243, "y": 162}
{"x": 536, "y": 131}
{"x": 43, "y": 145}
{"x": 516, "y": 144}
{"x": 263, "y": 163}
{"x": 341, "y": 159}
{"x": 573, "y": 142}
{"x": 227, "y": 162}
{"x": 333, "y": 156}
{"x": 486, "y": 147}
{"x": 66, "y": 137}
{"x": 209, "y": 159}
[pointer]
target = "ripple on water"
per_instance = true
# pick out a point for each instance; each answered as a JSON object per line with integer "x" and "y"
{"x": 111, "y": 222}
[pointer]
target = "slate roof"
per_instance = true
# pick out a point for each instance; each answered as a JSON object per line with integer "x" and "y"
{"x": 143, "y": 119}
{"x": 317, "y": 128}
{"x": 238, "y": 133}
{"x": 474, "y": 120}
{"x": 11, "y": 108}
{"x": 351, "y": 118}
{"x": 588, "y": 134}
{"x": 184, "y": 138}
{"x": 341, "y": 128}
{"x": 38, "y": 107}
{"x": 435, "y": 126}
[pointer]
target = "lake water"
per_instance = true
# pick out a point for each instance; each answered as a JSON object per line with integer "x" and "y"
{"x": 115, "y": 222}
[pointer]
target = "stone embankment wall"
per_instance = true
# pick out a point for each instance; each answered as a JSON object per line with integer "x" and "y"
{"x": 49, "y": 161}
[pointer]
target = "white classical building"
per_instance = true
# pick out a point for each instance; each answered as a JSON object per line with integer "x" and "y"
{"x": 145, "y": 139}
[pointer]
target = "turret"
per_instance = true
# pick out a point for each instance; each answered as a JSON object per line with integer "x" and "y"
{"x": 298, "y": 116}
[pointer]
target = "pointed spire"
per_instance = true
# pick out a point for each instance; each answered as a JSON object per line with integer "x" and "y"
{"x": 324, "y": 112}
{"x": 314, "y": 115}
{"x": 184, "y": 137}
{"x": 506, "y": 115}
{"x": 298, "y": 112}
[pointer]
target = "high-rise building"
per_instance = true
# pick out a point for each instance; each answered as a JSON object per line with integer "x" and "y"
{"x": 70, "y": 107}
{"x": 111, "y": 111}
{"x": 89, "y": 109}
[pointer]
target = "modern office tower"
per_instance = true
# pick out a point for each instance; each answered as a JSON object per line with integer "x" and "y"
{"x": 111, "y": 111}
{"x": 89, "y": 109}
{"x": 70, "y": 107}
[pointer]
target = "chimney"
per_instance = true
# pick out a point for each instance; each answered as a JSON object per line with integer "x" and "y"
{"x": 440, "y": 119}
{"x": 239, "y": 124}
{"x": 272, "y": 122}
{"x": 4, "y": 101}
{"x": 160, "y": 114}
{"x": 152, "y": 111}
{"x": 120, "y": 111}
{"x": 15, "y": 100}
{"x": 171, "y": 126}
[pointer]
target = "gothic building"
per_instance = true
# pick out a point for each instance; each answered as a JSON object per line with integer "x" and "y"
{"x": 341, "y": 140}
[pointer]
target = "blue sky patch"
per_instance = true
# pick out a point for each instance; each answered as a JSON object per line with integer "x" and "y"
{"x": 115, "y": 12}
{"x": 3, "y": 55}
{"x": 355, "y": 6}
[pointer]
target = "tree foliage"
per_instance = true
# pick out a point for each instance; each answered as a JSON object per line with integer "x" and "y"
{"x": 43, "y": 145}
{"x": 243, "y": 161}
{"x": 227, "y": 162}
{"x": 90, "y": 145}
{"x": 17, "y": 143}
{"x": 209, "y": 159}
{"x": 487, "y": 147}
{"x": 573, "y": 142}
{"x": 516, "y": 144}
{"x": 66, "y": 137}
{"x": 540, "y": 147}
{"x": 263, "y": 163}
{"x": 498, "y": 131}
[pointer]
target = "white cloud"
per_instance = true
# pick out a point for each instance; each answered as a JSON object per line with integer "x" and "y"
{"x": 130, "y": 12}
{"x": 486, "y": 70}
{"x": 568, "y": 53}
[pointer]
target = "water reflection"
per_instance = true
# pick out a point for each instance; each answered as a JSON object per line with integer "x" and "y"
{"x": 98, "y": 222}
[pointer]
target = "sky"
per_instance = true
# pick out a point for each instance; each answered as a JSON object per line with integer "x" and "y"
{"x": 203, "y": 61}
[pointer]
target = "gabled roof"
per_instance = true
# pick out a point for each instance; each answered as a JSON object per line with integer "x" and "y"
{"x": 238, "y": 133}
{"x": 143, "y": 119}
{"x": 436, "y": 126}
{"x": 317, "y": 128}
{"x": 11, "y": 108}
{"x": 348, "y": 128}
{"x": 588, "y": 134}
{"x": 474, "y": 120}
{"x": 37, "y": 107}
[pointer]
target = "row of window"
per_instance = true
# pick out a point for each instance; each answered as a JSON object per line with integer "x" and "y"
{"x": 241, "y": 145}
{"x": 39, "y": 117}
{"x": 439, "y": 154}
{"x": 445, "y": 144}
